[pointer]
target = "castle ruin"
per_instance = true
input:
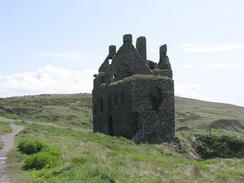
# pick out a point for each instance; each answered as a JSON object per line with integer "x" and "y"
{"x": 133, "y": 97}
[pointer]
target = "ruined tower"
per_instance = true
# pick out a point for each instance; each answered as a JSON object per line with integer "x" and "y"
{"x": 134, "y": 97}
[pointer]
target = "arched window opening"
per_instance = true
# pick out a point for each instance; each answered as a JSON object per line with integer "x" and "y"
{"x": 156, "y": 99}
{"x": 155, "y": 104}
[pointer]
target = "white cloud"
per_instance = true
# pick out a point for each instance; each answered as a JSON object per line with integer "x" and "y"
{"x": 229, "y": 66}
{"x": 47, "y": 79}
{"x": 69, "y": 56}
{"x": 191, "y": 91}
{"x": 50, "y": 79}
{"x": 199, "y": 48}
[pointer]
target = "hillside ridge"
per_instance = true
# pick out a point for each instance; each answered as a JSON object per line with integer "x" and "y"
{"x": 211, "y": 132}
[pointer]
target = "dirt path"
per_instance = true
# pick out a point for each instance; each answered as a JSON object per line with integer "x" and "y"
{"x": 8, "y": 143}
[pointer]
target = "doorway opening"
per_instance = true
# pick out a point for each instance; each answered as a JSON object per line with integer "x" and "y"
{"x": 110, "y": 126}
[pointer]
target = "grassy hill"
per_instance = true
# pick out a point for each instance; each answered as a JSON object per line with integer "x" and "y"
{"x": 212, "y": 132}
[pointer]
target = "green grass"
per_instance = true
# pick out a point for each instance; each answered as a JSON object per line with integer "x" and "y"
{"x": 199, "y": 114}
{"x": 73, "y": 110}
{"x": 4, "y": 125}
{"x": 47, "y": 157}
{"x": 88, "y": 157}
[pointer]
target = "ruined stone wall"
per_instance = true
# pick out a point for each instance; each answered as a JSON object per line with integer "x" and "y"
{"x": 128, "y": 61}
{"x": 134, "y": 97}
{"x": 139, "y": 107}
{"x": 113, "y": 114}
{"x": 153, "y": 104}
{"x": 141, "y": 46}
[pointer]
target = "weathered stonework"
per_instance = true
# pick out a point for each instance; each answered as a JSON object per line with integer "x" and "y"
{"x": 134, "y": 97}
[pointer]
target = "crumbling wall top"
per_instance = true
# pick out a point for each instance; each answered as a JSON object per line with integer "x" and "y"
{"x": 127, "y": 38}
{"x": 141, "y": 46}
{"x": 112, "y": 51}
{"x": 163, "y": 50}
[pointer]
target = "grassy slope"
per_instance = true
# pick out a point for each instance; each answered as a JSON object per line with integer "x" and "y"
{"x": 87, "y": 157}
{"x": 197, "y": 114}
{"x": 4, "y": 127}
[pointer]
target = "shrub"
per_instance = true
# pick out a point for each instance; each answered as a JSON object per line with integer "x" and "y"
{"x": 31, "y": 146}
{"x": 219, "y": 146}
{"x": 46, "y": 158}
{"x": 36, "y": 161}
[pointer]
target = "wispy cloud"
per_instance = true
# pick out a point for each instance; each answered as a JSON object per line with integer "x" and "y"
{"x": 47, "y": 79}
{"x": 203, "y": 48}
{"x": 223, "y": 66}
{"x": 50, "y": 79}
{"x": 70, "y": 56}
{"x": 191, "y": 91}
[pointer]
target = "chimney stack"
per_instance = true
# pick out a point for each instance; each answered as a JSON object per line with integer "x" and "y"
{"x": 141, "y": 46}
{"x": 112, "y": 51}
{"x": 127, "y": 38}
{"x": 163, "y": 50}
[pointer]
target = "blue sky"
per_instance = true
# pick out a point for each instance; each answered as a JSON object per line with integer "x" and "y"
{"x": 55, "y": 46}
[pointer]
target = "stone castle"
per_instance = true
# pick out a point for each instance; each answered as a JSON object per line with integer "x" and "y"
{"x": 133, "y": 97}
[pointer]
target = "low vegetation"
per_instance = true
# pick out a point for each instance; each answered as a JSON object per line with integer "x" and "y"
{"x": 48, "y": 157}
{"x": 31, "y": 146}
{"x": 73, "y": 153}
{"x": 212, "y": 146}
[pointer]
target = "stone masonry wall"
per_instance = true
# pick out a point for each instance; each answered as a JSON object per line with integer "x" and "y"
{"x": 153, "y": 102}
{"x": 139, "y": 107}
{"x": 132, "y": 98}
{"x": 113, "y": 109}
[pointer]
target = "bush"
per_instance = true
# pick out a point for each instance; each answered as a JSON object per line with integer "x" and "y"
{"x": 47, "y": 158}
{"x": 36, "y": 161}
{"x": 31, "y": 147}
{"x": 219, "y": 146}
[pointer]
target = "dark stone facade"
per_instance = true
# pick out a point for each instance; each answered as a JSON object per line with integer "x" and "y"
{"x": 134, "y": 97}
